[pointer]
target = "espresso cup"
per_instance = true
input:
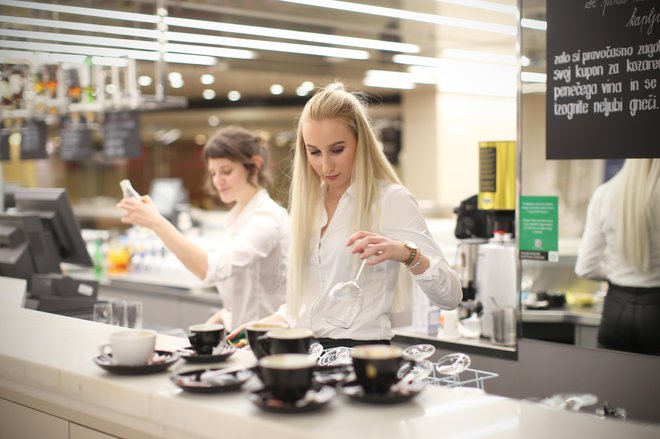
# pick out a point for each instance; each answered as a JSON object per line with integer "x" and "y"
{"x": 256, "y": 332}
{"x": 290, "y": 340}
{"x": 131, "y": 348}
{"x": 376, "y": 366}
{"x": 287, "y": 376}
{"x": 205, "y": 337}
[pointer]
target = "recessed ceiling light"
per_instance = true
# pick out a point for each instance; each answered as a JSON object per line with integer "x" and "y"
{"x": 233, "y": 95}
{"x": 208, "y": 94}
{"x": 207, "y": 79}
{"x": 144, "y": 81}
{"x": 301, "y": 91}
{"x": 214, "y": 121}
{"x": 200, "y": 139}
{"x": 174, "y": 76}
{"x": 276, "y": 89}
{"x": 308, "y": 85}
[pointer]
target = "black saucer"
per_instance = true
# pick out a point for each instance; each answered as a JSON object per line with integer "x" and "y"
{"x": 194, "y": 381}
{"x": 396, "y": 395}
{"x": 315, "y": 399}
{"x": 161, "y": 361}
{"x": 221, "y": 354}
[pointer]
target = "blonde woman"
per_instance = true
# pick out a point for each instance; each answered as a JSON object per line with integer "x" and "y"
{"x": 621, "y": 244}
{"x": 347, "y": 205}
{"x": 249, "y": 271}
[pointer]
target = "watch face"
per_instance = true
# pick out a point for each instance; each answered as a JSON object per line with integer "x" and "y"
{"x": 411, "y": 245}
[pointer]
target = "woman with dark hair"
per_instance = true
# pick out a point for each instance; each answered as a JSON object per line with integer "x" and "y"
{"x": 249, "y": 272}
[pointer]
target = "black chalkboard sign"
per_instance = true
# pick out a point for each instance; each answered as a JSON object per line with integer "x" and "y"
{"x": 603, "y": 64}
{"x": 33, "y": 140}
{"x": 76, "y": 139}
{"x": 4, "y": 143}
{"x": 121, "y": 134}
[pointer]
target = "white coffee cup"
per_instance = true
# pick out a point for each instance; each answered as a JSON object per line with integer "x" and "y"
{"x": 131, "y": 348}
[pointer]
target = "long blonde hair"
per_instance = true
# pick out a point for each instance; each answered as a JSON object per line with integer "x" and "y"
{"x": 639, "y": 210}
{"x": 370, "y": 167}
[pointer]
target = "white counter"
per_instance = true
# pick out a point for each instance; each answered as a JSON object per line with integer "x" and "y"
{"x": 46, "y": 362}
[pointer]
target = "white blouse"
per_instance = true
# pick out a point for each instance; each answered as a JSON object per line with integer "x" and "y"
{"x": 250, "y": 270}
{"x": 331, "y": 262}
{"x": 598, "y": 257}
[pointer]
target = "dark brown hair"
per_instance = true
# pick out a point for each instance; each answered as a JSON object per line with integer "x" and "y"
{"x": 238, "y": 145}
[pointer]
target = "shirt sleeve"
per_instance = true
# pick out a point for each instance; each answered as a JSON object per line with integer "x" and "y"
{"x": 402, "y": 220}
{"x": 255, "y": 240}
{"x": 590, "y": 261}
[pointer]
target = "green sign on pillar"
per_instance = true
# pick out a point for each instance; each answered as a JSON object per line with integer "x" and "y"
{"x": 539, "y": 228}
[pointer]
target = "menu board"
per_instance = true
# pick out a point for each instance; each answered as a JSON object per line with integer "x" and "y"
{"x": 33, "y": 140}
{"x": 4, "y": 143}
{"x": 76, "y": 139}
{"x": 603, "y": 64}
{"x": 121, "y": 134}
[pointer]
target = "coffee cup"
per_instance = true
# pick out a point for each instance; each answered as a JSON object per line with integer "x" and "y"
{"x": 287, "y": 376}
{"x": 290, "y": 340}
{"x": 256, "y": 332}
{"x": 205, "y": 337}
{"x": 131, "y": 348}
{"x": 376, "y": 366}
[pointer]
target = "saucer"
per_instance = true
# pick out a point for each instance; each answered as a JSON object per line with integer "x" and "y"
{"x": 396, "y": 395}
{"x": 160, "y": 362}
{"x": 211, "y": 380}
{"x": 333, "y": 375}
{"x": 314, "y": 399}
{"x": 220, "y": 354}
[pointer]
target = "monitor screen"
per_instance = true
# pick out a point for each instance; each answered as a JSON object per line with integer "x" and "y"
{"x": 25, "y": 247}
{"x": 53, "y": 208}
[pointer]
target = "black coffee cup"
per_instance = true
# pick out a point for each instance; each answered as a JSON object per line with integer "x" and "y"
{"x": 287, "y": 376}
{"x": 205, "y": 337}
{"x": 290, "y": 340}
{"x": 256, "y": 332}
{"x": 376, "y": 366}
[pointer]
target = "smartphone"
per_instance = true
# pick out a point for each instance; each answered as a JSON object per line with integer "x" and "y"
{"x": 127, "y": 189}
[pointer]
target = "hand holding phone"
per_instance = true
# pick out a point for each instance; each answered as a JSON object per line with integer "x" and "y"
{"x": 127, "y": 189}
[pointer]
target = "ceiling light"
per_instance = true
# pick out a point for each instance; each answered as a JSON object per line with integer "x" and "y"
{"x": 234, "y": 95}
{"x": 307, "y": 85}
{"x": 208, "y": 25}
{"x": 487, "y": 57}
{"x": 175, "y": 76}
{"x": 487, "y": 6}
{"x": 207, "y": 79}
{"x": 208, "y": 94}
{"x": 409, "y": 15}
{"x": 533, "y": 24}
{"x": 301, "y": 91}
{"x": 108, "y": 52}
{"x": 388, "y": 79}
{"x": 214, "y": 121}
{"x": 293, "y": 35}
{"x": 144, "y": 81}
{"x": 533, "y": 77}
{"x": 276, "y": 89}
{"x": 176, "y": 84}
{"x": 200, "y": 139}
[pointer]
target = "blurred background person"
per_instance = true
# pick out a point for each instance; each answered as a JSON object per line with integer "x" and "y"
{"x": 621, "y": 244}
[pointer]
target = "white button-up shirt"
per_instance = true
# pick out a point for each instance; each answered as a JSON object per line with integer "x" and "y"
{"x": 331, "y": 262}
{"x": 598, "y": 257}
{"x": 250, "y": 270}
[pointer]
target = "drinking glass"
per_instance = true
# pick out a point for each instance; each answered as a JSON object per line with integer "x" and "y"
{"x": 134, "y": 314}
{"x": 343, "y": 302}
{"x": 118, "y": 312}
{"x": 102, "y": 313}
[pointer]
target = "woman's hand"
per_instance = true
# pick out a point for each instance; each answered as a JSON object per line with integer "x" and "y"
{"x": 140, "y": 212}
{"x": 377, "y": 248}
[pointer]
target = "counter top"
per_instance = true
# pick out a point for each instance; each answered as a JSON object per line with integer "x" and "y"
{"x": 578, "y": 315}
{"x": 46, "y": 361}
